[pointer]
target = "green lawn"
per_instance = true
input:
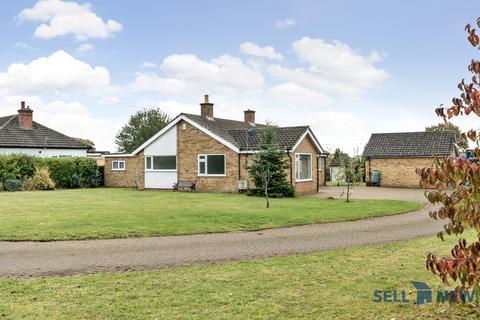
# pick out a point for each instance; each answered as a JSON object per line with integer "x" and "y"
{"x": 117, "y": 213}
{"x": 335, "y": 284}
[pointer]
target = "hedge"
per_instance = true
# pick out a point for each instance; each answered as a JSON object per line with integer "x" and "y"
{"x": 65, "y": 172}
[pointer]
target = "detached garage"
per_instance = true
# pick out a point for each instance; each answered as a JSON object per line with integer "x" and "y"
{"x": 397, "y": 155}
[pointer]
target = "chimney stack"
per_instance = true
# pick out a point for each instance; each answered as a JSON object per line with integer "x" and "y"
{"x": 249, "y": 115}
{"x": 206, "y": 108}
{"x": 25, "y": 116}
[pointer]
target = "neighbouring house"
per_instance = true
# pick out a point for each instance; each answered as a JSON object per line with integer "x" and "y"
{"x": 215, "y": 153}
{"x": 397, "y": 155}
{"x": 19, "y": 134}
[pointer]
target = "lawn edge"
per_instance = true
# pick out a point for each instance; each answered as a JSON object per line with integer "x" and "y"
{"x": 422, "y": 206}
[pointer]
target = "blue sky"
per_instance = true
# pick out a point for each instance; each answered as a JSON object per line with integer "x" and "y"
{"x": 347, "y": 68}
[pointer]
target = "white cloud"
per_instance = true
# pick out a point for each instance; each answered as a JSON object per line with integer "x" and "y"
{"x": 59, "y": 70}
{"x": 173, "y": 108}
{"x": 285, "y": 23}
{"x": 22, "y": 45}
{"x": 268, "y": 52}
{"x": 151, "y": 82}
{"x": 147, "y": 65}
{"x": 333, "y": 68}
{"x": 295, "y": 95}
{"x": 186, "y": 74}
{"x": 59, "y": 18}
{"x": 342, "y": 130}
{"x": 85, "y": 47}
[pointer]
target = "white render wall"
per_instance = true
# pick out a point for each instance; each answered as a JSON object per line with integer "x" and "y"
{"x": 165, "y": 145}
{"x": 45, "y": 153}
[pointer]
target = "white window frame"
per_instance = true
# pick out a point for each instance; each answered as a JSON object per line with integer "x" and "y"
{"x": 118, "y": 165}
{"x": 160, "y": 170}
{"x": 297, "y": 162}
{"x": 206, "y": 164}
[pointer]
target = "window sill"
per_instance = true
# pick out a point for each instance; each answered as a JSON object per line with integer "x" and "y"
{"x": 118, "y": 170}
{"x": 212, "y": 175}
{"x": 161, "y": 170}
{"x": 304, "y": 180}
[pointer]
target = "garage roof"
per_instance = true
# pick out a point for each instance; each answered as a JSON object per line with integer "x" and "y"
{"x": 410, "y": 145}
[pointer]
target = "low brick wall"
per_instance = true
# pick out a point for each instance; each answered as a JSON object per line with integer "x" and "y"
{"x": 398, "y": 172}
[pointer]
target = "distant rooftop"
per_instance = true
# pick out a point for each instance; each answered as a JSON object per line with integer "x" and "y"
{"x": 410, "y": 144}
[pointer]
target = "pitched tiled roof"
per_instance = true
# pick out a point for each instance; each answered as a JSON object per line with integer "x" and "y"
{"x": 12, "y": 135}
{"x": 285, "y": 137}
{"x": 235, "y": 132}
{"x": 409, "y": 144}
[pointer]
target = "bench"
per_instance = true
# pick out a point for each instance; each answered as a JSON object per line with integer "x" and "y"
{"x": 185, "y": 184}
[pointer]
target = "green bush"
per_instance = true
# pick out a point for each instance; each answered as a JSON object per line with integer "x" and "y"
{"x": 16, "y": 167}
{"x": 13, "y": 185}
{"x": 72, "y": 172}
{"x": 42, "y": 180}
{"x": 64, "y": 172}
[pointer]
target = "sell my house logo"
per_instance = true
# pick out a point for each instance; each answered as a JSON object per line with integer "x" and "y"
{"x": 424, "y": 294}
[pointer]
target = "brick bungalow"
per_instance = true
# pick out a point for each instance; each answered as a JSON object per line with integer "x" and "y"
{"x": 214, "y": 152}
{"x": 398, "y": 155}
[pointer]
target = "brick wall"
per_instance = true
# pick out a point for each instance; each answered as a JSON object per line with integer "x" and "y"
{"x": 131, "y": 177}
{"x": 306, "y": 187}
{"x": 190, "y": 143}
{"x": 397, "y": 172}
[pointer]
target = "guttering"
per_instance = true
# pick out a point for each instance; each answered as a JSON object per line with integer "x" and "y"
{"x": 291, "y": 167}
{"x": 239, "y": 167}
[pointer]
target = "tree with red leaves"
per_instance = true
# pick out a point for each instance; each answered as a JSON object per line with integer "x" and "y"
{"x": 456, "y": 183}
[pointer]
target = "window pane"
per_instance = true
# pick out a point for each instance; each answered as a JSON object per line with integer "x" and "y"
{"x": 305, "y": 161}
{"x": 216, "y": 164}
{"x": 121, "y": 165}
{"x": 164, "y": 162}
{"x": 115, "y": 165}
{"x": 201, "y": 167}
{"x": 149, "y": 163}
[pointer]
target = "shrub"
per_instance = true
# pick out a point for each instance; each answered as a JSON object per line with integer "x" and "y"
{"x": 27, "y": 184}
{"x": 42, "y": 180}
{"x": 13, "y": 185}
{"x": 64, "y": 172}
{"x": 268, "y": 169}
{"x": 72, "y": 172}
{"x": 16, "y": 167}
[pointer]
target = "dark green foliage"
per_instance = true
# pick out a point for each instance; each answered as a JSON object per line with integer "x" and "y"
{"x": 72, "y": 172}
{"x": 16, "y": 167}
{"x": 65, "y": 172}
{"x": 269, "y": 164}
{"x": 13, "y": 185}
{"x": 142, "y": 126}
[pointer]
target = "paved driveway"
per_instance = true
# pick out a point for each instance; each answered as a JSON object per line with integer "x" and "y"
{"x": 25, "y": 259}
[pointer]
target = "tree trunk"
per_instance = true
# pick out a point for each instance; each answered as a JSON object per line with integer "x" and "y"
{"x": 266, "y": 196}
{"x": 348, "y": 191}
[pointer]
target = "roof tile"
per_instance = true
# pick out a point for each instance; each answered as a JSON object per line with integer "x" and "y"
{"x": 12, "y": 135}
{"x": 410, "y": 144}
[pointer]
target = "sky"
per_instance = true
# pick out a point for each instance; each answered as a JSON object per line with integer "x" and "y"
{"x": 346, "y": 68}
